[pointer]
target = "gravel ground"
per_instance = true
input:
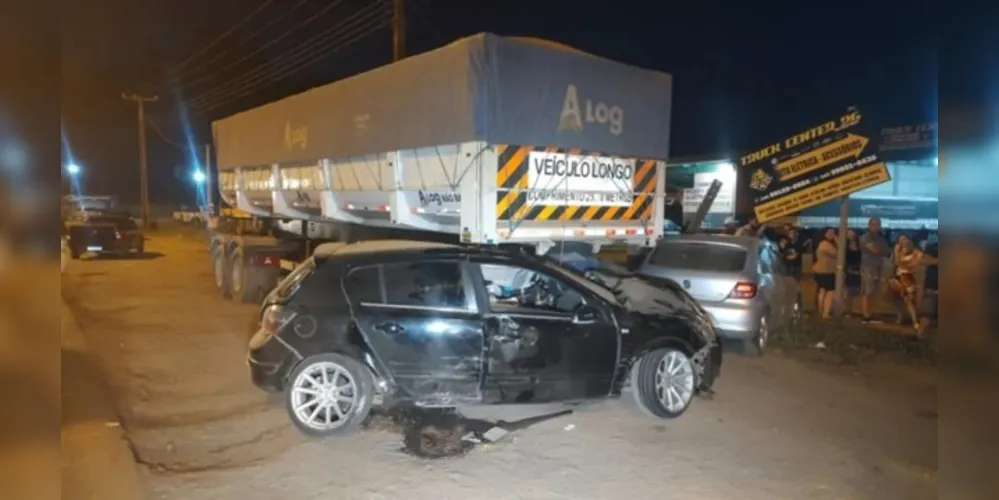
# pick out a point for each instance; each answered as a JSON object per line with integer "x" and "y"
{"x": 778, "y": 427}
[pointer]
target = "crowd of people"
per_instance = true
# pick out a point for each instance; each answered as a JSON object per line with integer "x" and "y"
{"x": 874, "y": 268}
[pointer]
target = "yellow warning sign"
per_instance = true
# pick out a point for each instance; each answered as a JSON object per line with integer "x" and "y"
{"x": 850, "y": 146}
{"x": 836, "y": 187}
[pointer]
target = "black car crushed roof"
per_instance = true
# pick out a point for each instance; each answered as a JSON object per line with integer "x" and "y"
{"x": 430, "y": 324}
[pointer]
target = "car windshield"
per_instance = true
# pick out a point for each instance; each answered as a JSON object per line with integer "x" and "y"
{"x": 637, "y": 292}
{"x": 599, "y": 289}
{"x": 699, "y": 256}
{"x": 570, "y": 249}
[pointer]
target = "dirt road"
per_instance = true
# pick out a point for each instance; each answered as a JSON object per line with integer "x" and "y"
{"x": 777, "y": 428}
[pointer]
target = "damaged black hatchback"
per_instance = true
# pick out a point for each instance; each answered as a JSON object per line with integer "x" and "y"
{"x": 389, "y": 323}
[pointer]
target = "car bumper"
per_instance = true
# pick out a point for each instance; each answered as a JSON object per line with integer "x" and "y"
{"x": 119, "y": 247}
{"x": 265, "y": 376}
{"x": 734, "y": 322}
{"x": 712, "y": 367}
{"x": 269, "y": 365}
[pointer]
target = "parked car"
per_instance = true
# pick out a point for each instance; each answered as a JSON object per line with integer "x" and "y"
{"x": 195, "y": 217}
{"x": 388, "y": 323}
{"x": 740, "y": 281}
{"x": 103, "y": 233}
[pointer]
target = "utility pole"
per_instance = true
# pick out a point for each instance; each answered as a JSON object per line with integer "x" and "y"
{"x": 398, "y": 29}
{"x": 844, "y": 227}
{"x": 143, "y": 168}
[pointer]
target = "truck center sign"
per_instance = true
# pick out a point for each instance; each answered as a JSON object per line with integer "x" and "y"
{"x": 822, "y": 163}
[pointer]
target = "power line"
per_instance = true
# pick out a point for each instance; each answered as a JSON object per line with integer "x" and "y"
{"x": 213, "y": 43}
{"x": 179, "y": 78}
{"x": 303, "y": 57}
{"x": 270, "y": 43}
{"x": 284, "y": 73}
{"x": 357, "y": 21}
{"x": 163, "y": 136}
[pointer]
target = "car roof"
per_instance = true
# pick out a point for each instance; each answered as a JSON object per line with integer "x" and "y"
{"x": 361, "y": 247}
{"x": 747, "y": 242}
{"x": 405, "y": 249}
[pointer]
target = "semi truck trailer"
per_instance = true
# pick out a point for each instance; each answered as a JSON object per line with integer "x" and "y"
{"x": 489, "y": 140}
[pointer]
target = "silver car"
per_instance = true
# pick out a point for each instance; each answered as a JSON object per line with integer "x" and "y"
{"x": 741, "y": 281}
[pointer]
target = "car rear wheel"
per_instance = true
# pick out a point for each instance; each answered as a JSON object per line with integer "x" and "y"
{"x": 663, "y": 383}
{"x": 220, "y": 271}
{"x": 329, "y": 394}
{"x": 757, "y": 345}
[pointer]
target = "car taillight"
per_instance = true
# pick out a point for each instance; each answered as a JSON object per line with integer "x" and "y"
{"x": 743, "y": 290}
{"x": 266, "y": 260}
{"x": 274, "y": 318}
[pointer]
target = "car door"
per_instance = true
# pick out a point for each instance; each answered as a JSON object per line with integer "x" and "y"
{"x": 789, "y": 290}
{"x": 423, "y": 325}
{"x": 783, "y": 289}
{"x": 770, "y": 288}
{"x": 540, "y": 349}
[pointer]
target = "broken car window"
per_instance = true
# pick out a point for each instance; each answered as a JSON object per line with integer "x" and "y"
{"x": 425, "y": 284}
{"x": 511, "y": 287}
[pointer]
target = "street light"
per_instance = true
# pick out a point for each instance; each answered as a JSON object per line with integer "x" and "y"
{"x": 73, "y": 169}
{"x": 198, "y": 176}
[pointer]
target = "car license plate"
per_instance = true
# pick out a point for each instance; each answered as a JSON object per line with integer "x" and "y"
{"x": 94, "y": 248}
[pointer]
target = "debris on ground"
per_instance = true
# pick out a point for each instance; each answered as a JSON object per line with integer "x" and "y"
{"x": 436, "y": 433}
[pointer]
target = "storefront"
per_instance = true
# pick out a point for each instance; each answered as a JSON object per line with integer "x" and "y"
{"x": 687, "y": 182}
{"x": 909, "y": 201}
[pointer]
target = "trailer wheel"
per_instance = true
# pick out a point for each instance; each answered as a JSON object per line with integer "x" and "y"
{"x": 249, "y": 283}
{"x": 220, "y": 271}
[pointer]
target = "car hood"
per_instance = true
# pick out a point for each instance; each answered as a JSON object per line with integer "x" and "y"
{"x": 651, "y": 305}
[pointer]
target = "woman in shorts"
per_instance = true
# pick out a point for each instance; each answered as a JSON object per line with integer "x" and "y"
{"x": 907, "y": 257}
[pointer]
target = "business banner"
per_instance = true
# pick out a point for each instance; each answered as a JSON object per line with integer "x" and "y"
{"x": 822, "y": 163}
{"x": 908, "y": 142}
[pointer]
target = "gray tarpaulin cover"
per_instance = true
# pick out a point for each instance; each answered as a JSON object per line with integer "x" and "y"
{"x": 482, "y": 88}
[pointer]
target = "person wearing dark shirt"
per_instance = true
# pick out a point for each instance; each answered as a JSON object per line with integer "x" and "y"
{"x": 792, "y": 253}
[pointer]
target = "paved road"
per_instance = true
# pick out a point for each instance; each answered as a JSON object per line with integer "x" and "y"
{"x": 778, "y": 428}
{"x": 96, "y": 461}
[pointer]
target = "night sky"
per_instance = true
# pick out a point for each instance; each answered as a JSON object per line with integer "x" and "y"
{"x": 745, "y": 73}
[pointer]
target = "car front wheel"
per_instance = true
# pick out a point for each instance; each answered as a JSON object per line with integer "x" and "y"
{"x": 329, "y": 394}
{"x": 663, "y": 383}
{"x": 757, "y": 345}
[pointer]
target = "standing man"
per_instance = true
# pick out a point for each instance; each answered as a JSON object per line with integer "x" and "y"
{"x": 753, "y": 228}
{"x": 874, "y": 249}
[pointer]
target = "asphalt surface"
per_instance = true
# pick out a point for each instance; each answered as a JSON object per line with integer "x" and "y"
{"x": 777, "y": 428}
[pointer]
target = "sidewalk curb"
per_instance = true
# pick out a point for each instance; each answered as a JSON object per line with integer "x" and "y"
{"x": 97, "y": 462}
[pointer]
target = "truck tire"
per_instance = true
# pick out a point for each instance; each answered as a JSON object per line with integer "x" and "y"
{"x": 249, "y": 283}
{"x": 220, "y": 272}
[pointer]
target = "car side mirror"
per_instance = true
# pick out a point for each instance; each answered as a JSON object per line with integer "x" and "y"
{"x": 585, "y": 315}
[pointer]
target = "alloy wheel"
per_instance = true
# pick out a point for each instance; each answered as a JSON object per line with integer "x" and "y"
{"x": 675, "y": 381}
{"x": 323, "y": 396}
{"x": 762, "y": 334}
